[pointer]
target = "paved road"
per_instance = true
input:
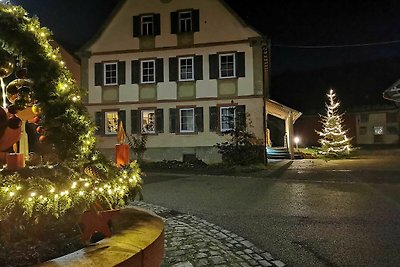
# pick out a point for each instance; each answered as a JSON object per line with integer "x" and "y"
{"x": 306, "y": 213}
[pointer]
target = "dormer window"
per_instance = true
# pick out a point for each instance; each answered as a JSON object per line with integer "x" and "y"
{"x": 146, "y": 25}
{"x": 185, "y": 21}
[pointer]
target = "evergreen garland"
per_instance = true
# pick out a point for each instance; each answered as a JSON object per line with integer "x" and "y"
{"x": 56, "y": 189}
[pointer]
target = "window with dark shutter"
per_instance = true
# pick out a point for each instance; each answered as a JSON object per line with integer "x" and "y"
{"x": 98, "y": 74}
{"x": 173, "y": 69}
{"x": 240, "y": 64}
{"x": 135, "y": 71}
{"x": 99, "y": 121}
{"x": 159, "y": 70}
{"x": 160, "y": 120}
{"x": 199, "y": 122}
{"x": 172, "y": 120}
{"x": 196, "y": 20}
{"x": 174, "y": 22}
{"x": 136, "y": 26}
{"x": 213, "y": 119}
{"x": 214, "y": 66}
{"x": 198, "y": 68}
{"x": 157, "y": 24}
{"x": 121, "y": 72}
{"x": 241, "y": 116}
{"x": 134, "y": 121}
{"x": 122, "y": 118}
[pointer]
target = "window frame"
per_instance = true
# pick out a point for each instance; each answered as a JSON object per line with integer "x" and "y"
{"x": 221, "y": 121}
{"x": 142, "y": 121}
{"x": 188, "y": 21}
{"x": 105, "y": 64}
{"x": 233, "y": 55}
{"x": 153, "y": 61}
{"x": 379, "y": 130}
{"x": 142, "y": 24}
{"x": 180, "y": 70}
{"x": 180, "y": 120}
{"x": 106, "y": 131}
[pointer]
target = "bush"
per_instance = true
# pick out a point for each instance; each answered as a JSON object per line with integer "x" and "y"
{"x": 242, "y": 148}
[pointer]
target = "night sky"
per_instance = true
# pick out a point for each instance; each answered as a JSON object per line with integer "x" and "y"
{"x": 299, "y": 31}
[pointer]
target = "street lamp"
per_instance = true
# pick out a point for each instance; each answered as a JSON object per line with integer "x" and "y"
{"x": 297, "y": 140}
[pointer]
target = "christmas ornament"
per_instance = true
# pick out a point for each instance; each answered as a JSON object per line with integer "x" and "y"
{"x": 21, "y": 73}
{"x": 14, "y": 122}
{"x": 6, "y": 64}
{"x": 36, "y": 109}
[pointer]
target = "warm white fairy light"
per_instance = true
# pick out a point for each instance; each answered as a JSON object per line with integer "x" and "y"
{"x": 3, "y": 90}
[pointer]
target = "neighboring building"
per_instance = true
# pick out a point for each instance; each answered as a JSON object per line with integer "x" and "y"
{"x": 71, "y": 62}
{"x": 184, "y": 72}
{"x": 368, "y": 126}
{"x": 378, "y": 127}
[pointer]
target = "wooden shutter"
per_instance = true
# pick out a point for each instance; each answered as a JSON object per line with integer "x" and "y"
{"x": 99, "y": 122}
{"x": 213, "y": 119}
{"x": 173, "y": 69}
{"x": 137, "y": 31}
{"x": 98, "y": 74}
{"x": 198, "y": 68}
{"x": 172, "y": 120}
{"x": 135, "y": 121}
{"x": 214, "y": 66}
{"x": 159, "y": 70}
{"x": 160, "y": 120}
{"x": 157, "y": 24}
{"x": 174, "y": 22}
{"x": 240, "y": 64}
{"x": 198, "y": 117}
{"x": 195, "y": 20}
{"x": 135, "y": 71}
{"x": 121, "y": 72}
{"x": 122, "y": 118}
{"x": 241, "y": 116}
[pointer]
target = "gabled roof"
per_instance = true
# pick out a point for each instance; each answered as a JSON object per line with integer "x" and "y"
{"x": 122, "y": 2}
{"x": 281, "y": 111}
{"x": 393, "y": 92}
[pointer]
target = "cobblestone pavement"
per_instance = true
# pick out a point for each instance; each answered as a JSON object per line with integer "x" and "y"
{"x": 191, "y": 241}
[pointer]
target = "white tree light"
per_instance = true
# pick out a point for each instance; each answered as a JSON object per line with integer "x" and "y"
{"x": 334, "y": 141}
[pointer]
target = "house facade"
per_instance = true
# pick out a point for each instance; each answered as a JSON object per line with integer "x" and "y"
{"x": 183, "y": 72}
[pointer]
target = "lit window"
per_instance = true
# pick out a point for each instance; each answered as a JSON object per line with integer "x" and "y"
{"x": 186, "y": 116}
{"x": 378, "y": 130}
{"x": 185, "y": 21}
{"x": 147, "y": 25}
{"x": 227, "y": 119}
{"x": 148, "y": 121}
{"x": 110, "y": 73}
{"x": 111, "y": 122}
{"x": 227, "y": 66}
{"x": 148, "y": 71}
{"x": 186, "y": 69}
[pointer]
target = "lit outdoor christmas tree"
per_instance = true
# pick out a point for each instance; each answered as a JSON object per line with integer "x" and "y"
{"x": 334, "y": 141}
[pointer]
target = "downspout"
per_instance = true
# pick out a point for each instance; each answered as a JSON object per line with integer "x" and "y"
{"x": 266, "y": 53}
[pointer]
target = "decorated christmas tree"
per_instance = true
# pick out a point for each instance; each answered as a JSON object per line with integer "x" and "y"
{"x": 334, "y": 141}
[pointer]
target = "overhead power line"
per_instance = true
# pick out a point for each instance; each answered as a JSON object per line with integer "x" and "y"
{"x": 335, "y": 46}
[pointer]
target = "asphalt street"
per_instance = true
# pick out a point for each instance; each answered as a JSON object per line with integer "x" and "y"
{"x": 305, "y": 212}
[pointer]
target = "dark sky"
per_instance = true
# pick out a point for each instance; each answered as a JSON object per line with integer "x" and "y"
{"x": 288, "y": 23}
{"x": 308, "y": 23}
